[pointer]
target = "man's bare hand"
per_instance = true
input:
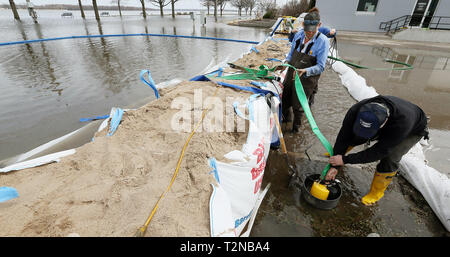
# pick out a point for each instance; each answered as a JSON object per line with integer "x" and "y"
{"x": 331, "y": 175}
{"x": 300, "y": 72}
{"x": 336, "y": 160}
{"x": 280, "y": 68}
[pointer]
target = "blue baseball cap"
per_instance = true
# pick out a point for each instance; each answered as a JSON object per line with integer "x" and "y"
{"x": 369, "y": 119}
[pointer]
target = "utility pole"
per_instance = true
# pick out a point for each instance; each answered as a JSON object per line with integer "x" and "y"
{"x": 14, "y": 9}
{"x": 94, "y": 3}
{"x": 31, "y": 11}
{"x": 81, "y": 9}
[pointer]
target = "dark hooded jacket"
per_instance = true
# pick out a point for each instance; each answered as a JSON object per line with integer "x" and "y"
{"x": 405, "y": 119}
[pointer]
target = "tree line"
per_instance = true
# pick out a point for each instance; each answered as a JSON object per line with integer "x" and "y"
{"x": 266, "y": 7}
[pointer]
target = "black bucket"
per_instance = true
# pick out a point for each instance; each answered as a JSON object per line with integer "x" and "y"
{"x": 333, "y": 197}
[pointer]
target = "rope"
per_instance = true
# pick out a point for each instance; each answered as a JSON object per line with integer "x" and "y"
{"x": 125, "y": 35}
{"x": 143, "y": 229}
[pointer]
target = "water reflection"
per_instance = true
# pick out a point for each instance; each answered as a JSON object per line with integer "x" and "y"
{"x": 426, "y": 85}
{"x": 37, "y": 64}
{"x": 45, "y": 87}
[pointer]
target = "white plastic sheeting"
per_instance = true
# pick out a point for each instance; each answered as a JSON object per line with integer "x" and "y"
{"x": 432, "y": 184}
{"x": 20, "y": 164}
{"x": 54, "y": 157}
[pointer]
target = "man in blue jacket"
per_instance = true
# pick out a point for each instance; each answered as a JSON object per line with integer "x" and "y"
{"x": 308, "y": 55}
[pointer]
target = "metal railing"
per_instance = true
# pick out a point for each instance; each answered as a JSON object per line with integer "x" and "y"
{"x": 403, "y": 22}
{"x": 438, "y": 22}
{"x": 396, "y": 24}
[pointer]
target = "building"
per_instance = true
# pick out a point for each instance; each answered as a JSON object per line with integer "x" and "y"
{"x": 370, "y": 15}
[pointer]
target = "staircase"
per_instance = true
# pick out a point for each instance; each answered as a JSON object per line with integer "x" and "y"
{"x": 405, "y": 21}
{"x": 396, "y": 24}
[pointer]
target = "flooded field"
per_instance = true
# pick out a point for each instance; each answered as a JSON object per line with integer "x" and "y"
{"x": 46, "y": 87}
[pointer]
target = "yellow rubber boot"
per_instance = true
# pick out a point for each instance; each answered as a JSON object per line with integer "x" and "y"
{"x": 379, "y": 183}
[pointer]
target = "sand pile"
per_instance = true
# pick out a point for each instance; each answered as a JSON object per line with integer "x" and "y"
{"x": 110, "y": 186}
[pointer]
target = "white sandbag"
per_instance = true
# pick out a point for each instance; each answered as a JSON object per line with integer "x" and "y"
{"x": 355, "y": 84}
{"x": 241, "y": 181}
{"x": 220, "y": 210}
{"x": 434, "y": 186}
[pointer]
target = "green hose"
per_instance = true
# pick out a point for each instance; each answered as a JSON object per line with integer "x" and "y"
{"x": 264, "y": 73}
{"x": 408, "y": 66}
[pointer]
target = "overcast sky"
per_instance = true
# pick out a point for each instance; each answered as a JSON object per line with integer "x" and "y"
{"x": 182, "y": 4}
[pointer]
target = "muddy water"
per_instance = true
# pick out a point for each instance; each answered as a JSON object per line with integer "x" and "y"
{"x": 402, "y": 212}
{"x": 46, "y": 87}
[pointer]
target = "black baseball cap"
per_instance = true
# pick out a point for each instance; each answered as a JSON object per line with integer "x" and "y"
{"x": 311, "y": 21}
{"x": 369, "y": 120}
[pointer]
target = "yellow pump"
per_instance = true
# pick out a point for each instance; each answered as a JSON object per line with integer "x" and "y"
{"x": 320, "y": 191}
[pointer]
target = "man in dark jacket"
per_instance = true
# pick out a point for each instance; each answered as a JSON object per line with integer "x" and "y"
{"x": 396, "y": 124}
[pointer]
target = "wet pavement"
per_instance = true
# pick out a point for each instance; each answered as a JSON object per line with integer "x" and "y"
{"x": 402, "y": 211}
{"x": 426, "y": 85}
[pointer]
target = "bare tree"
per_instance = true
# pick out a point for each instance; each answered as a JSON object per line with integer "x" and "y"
{"x": 240, "y": 4}
{"x": 81, "y": 9}
{"x": 173, "y": 7}
{"x": 161, "y": 4}
{"x": 207, "y": 3}
{"x": 118, "y": 5}
{"x": 144, "y": 13}
{"x": 94, "y": 3}
{"x": 295, "y": 8}
{"x": 215, "y": 10}
{"x": 222, "y": 4}
{"x": 249, "y": 5}
{"x": 267, "y": 5}
{"x": 14, "y": 9}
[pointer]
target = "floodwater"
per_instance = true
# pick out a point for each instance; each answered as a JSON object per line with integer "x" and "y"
{"x": 46, "y": 87}
{"x": 402, "y": 211}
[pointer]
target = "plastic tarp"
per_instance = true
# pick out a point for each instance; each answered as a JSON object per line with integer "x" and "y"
{"x": 22, "y": 162}
{"x": 7, "y": 193}
{"x": 235, "y": 201}
{"x": 432, "y": 184}
{"x": 54, "y": 157}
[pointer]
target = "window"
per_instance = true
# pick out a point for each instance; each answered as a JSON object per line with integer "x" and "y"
{"x": 367, "y": 5}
